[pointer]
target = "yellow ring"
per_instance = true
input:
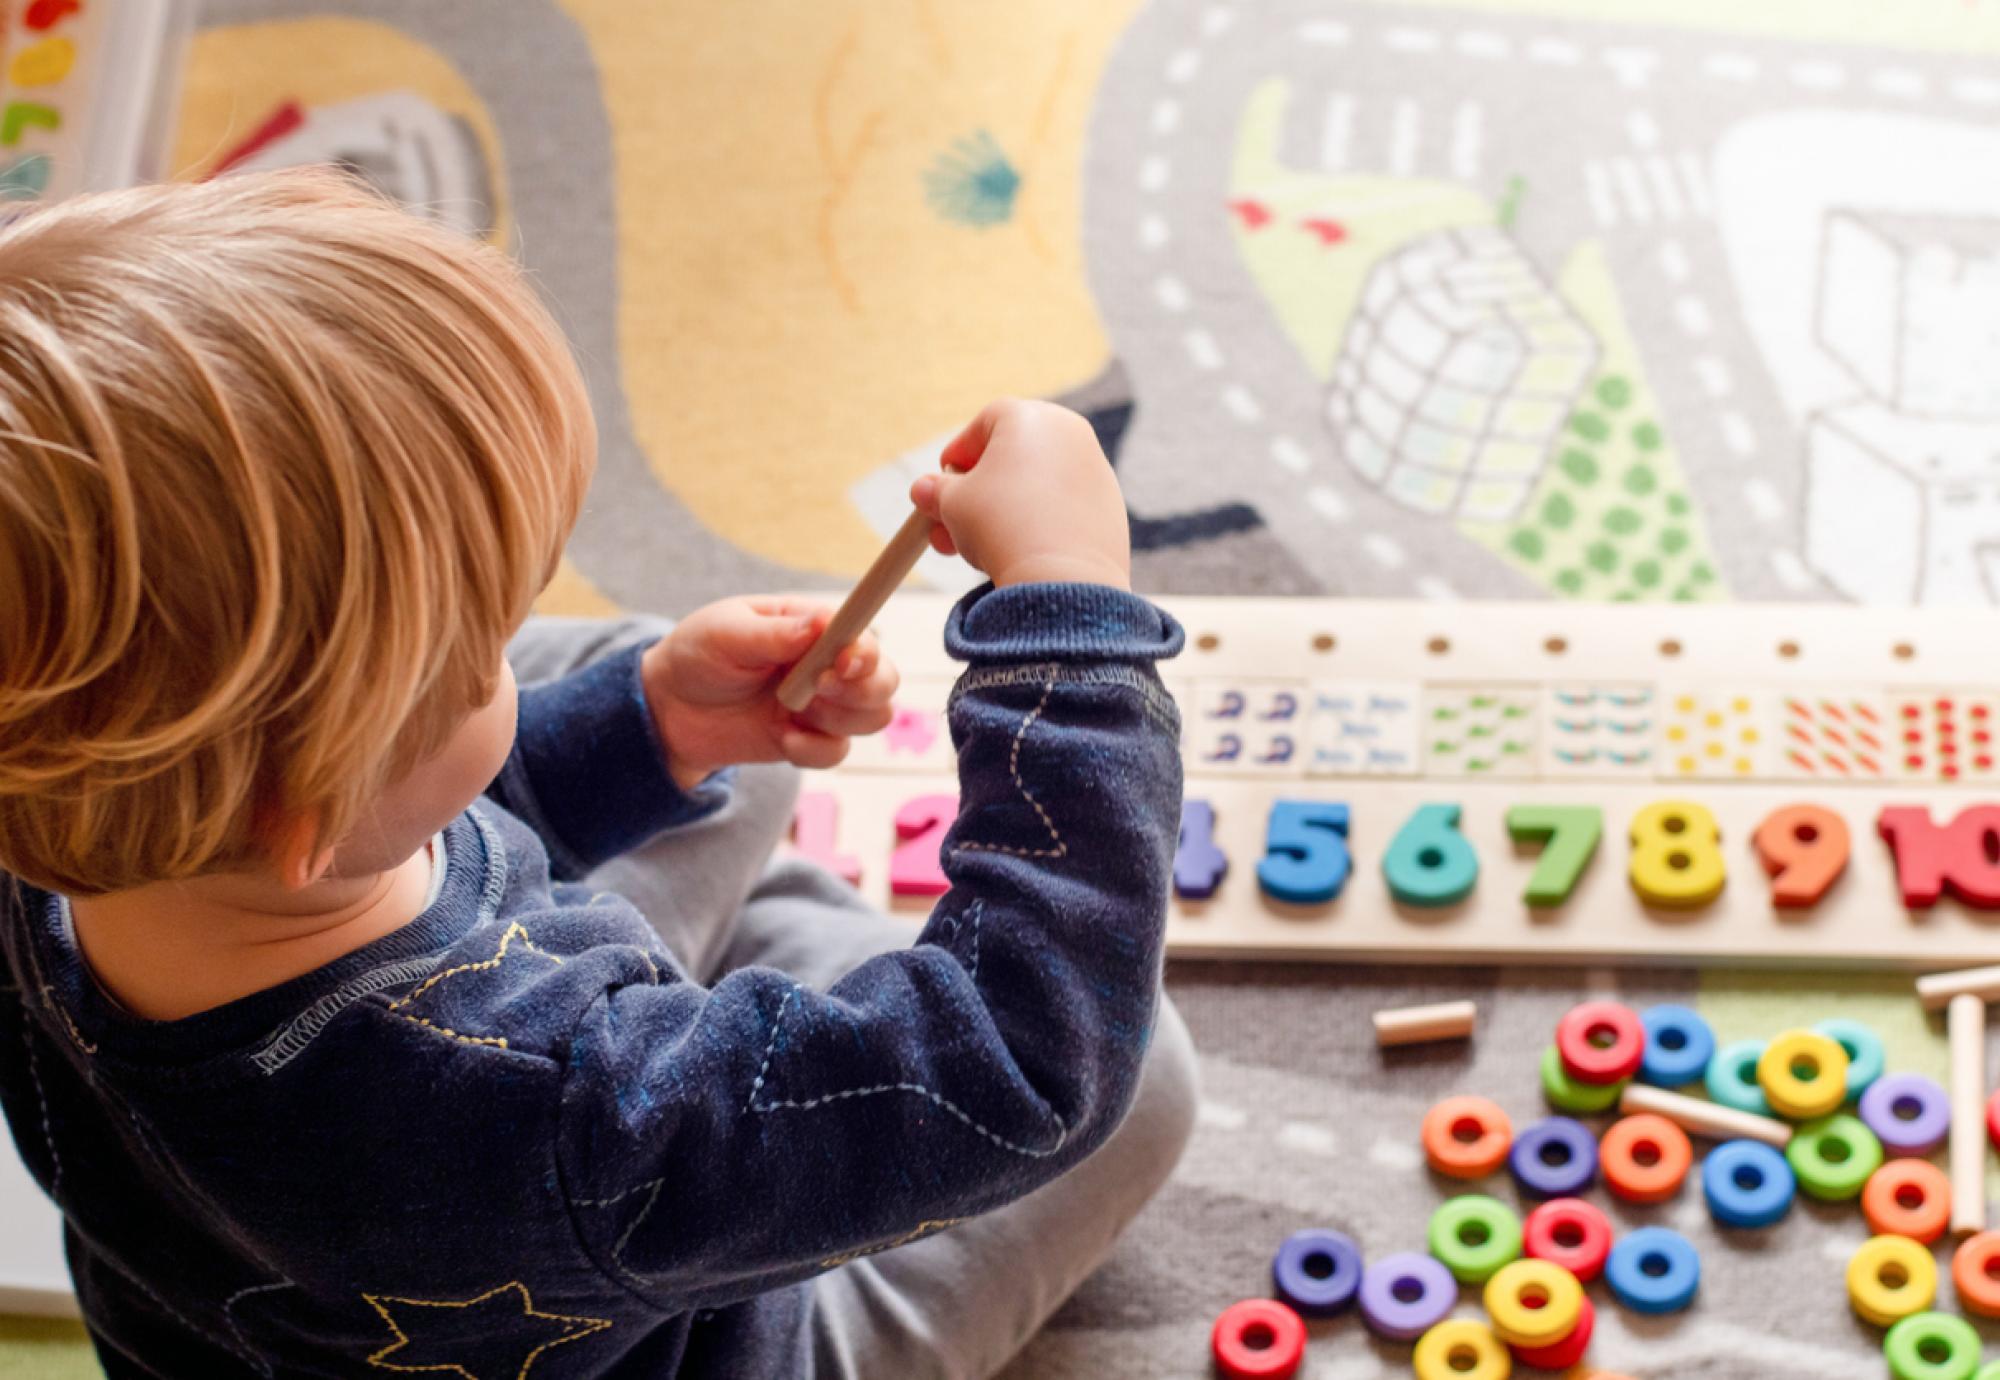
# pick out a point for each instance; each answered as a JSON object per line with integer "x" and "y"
{"x": 1545, "y": 1324}
{"x": 1461, "y": 1337}
{"x": 1883, "y": 1303}
{"x": 1801, "y": 1098}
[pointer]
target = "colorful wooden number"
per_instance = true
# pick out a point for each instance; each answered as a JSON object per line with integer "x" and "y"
{"x": 46, "y": 14}
{"x": 921, "y": 824}
{"x": 1429, "y": 863}
{"x": 1676, "y": 860}
{"x": 1199, "y": 865}
{"x": 42, "y": 64}
{"x": 816, "y": 835}
{"x": 1805, "y": 850}
{"x": 1569, "y": 835}
{"x": 1962, "y": 856}
{"x": 20, "y": 116}
{"x": 1306, "y": 859}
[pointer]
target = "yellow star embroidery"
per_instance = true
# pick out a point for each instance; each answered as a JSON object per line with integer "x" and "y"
{"x": 513, "y": 932}
{"x": 484, "y": 1332}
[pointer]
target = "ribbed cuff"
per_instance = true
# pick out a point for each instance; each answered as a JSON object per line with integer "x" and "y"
{"x": 1059, "y": 622}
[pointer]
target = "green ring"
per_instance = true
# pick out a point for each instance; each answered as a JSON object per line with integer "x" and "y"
{"x": 1475, "y": 1263}
{"x": 1566, "y": 1094}
{"x": 1989, "y": 1371}
{"x": 1829, "y": 1179}
{"x": 1906, "y": 1360}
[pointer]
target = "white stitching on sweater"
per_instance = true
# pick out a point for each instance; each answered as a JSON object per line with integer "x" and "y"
{"x": 42, "y": 1101}
{"x": 229, "y": 1316}
{"x": 1061, "y": 850}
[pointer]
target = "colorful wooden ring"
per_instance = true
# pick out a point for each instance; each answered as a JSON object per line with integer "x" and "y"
{"x": 1679, "y": 1045}
{"x": 1533, "y": 1303}
{"x": 1654, "y": 1270}
{"x": 1571, "y": 1233}
{"x": 1474, "y": 1235}
{"x": 1601, "y": 1042}
{"x": 1907, "y": 1198}
{"x": 1466, "y": 1137}
{"x": 1909, "y": 1113}
{"x": 1555, "y": 1157}
{"x": 1404, "y": 1296}
{"x": 1317, "y": 1272}
{"x": 1461, "y": 1349}
{"x": 1803, "y": 1074}
{"x": 1989, "y": 1371}
{"x": 1567, "y": 1094}
{"x": 1645, "y": 1158}
{"x": 1834, "y": 1156}
{"x": 1890, "y": 1278}
{"x": 1747, "y": 1184}
{"x": 1993, "y": 1119}
{"x": 1932, "y": 1346}
{"x": 1258, "y": 1339}
{"x": 1866, "y": 1057}
{"x": 1567, "y": 1352}
{"x": 1975, "y": 1274}
{"x": 1732, "y": 1077}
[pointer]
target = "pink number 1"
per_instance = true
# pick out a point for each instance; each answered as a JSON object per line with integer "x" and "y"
{"x": 816, "y": 836}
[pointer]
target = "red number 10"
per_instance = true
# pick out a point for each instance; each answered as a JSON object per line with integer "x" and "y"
{"x": 1962, "y": 856}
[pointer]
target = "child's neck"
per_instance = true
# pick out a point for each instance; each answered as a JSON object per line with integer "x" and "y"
{"x": 175, "y": 949}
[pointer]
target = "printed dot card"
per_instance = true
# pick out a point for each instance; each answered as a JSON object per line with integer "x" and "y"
{"x": 1944, "y": 735}
{"x": 1600, "y": 730}
{"x": 1715, "y": 734}
{"x": 1364, "y": 728}
{"x": 1481, "y": 731}
{"x": 1834, "y": 735}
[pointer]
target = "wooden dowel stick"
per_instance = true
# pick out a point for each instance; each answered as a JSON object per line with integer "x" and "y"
{"x": 858, "y": 609}
{"x": 1935, "y": 990}
{"x": 1965, "y": 1021}
{"x": 1413, "y": 1025}
{"x": 1702, "y": 1118}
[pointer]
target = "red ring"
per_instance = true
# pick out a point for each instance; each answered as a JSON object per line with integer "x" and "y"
{"x": 1881, "y": 1200}
{"x": 1978, "y": 1291}
{"x": 1473, "y": 1159}
{"x": 1565, "y": 1353}
{"x": 1586, "y": 1258}
{"x": 1993, "y": 1118}
{"x": 1277, "y": 1359}
{"x": 1644, "y": 1183}
{"x": 1589, "y": 1063}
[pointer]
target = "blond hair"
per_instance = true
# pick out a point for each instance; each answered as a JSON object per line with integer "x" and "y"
{"x": 281, "y": 468}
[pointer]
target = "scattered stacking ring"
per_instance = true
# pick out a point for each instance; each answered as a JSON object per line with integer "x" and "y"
{"x": 1567, "y": 1094}
{"x": 1567, "y": 1352}
{"x": 1404, "y": 1296}
{"x": 1645, "y": 1158}
{"x": 1972, "y": 1267}
{"x": 1989, "y": 1371}
{"x": 1461, "y": 1349}
{"x": 1732, "y": 1077}
{"x": 1618, "y": 1058}
{"x": 1803, "y": 1074}
{"x": 1834, "y": 1156}
{"x": 1993, "y": 1118}
{"x": 1866, "y": 1057}
{"x": 1890, "y": 1278}
{"x": 1907, "y": 1198}
{"x": 1909, "y": 1113}
{"x": 1654, "y": 1270}
{"x": 1679, "y": 1045}
{"x": 1932, "y": 1346}
{"x": 1317, "y": 1272}
{"x": 1466, "y": 1137}
{"x": 1571, "y": 1233}
{"x": 1747, "y": 1184}
{"x": 1533, "y": 1303}
{"x": 1555, "y": 1157}
{"x": 1474, "y": 1236}
{"x": 1258, "y": 1339}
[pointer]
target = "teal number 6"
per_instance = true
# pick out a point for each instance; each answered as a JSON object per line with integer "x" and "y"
{"x": 1306, "y": 859}
{"x": 1429, "y": 863}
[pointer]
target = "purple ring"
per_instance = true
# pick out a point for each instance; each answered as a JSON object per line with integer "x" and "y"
{"x": 1881, "y": 1108}
{"x": 1403, "y": 1320}
{"x": 1321, "y": 1291}
{"x": 1555, "y": 1157}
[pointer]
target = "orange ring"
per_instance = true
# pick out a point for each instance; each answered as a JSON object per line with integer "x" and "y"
{"x": 1908, "y": 1198}
{"x": 1447, "y": 1124}
{"x": 1973, "y": 1274}
{"x": 1619, "y": 1154}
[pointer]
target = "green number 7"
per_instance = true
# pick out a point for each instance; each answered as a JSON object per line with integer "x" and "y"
{"x": 1570, "y": 833}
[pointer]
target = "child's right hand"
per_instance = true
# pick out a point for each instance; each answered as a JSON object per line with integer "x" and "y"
{"x": 1035, "y": 500}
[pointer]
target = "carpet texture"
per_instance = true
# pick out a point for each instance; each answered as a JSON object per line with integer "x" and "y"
{"x": 1655, "y": 300}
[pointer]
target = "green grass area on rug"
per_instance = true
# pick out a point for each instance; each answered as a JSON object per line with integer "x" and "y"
{"x": 45, "y": 1349}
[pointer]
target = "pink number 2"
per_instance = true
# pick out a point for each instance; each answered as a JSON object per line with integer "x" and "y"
{"x": 921, "y": 824}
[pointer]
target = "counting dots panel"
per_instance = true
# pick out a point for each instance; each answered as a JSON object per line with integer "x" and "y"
{"x": 1529, "y": 782}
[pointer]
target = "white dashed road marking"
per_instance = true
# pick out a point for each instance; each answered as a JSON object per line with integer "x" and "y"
{"x": 1203, "y": 350}
{"x": 1313, "y": 1140}
{"x": 1558, "y": 51}
{"x": 1328, "y": 504}
{"x": 1791, "y": 570}
{"x": 1339, "y": 132}
{"x": 1222, "y": 1116}
{"x": 1242, "y": 404}
{"x": 1386, "y": 550}
{"x": 1731, "y": 67}
{"x": 1737, "y": 435}
{"x": 1713, "y": 375}
{"x": 1674, "y": 260}
{"x": 1762, "y": 498}
{"x": 1327, "y": 32}
{"x": 1154, "y": 172}
{"x": 1692, "y": 315}
{"x": 1404, "y": 40}
{"x": 1171, "y": 291}
{"x": 1290, "y": 454}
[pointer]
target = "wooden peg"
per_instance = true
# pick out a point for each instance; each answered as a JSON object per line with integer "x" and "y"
{"x": 1413, "y": 1025}
{"x": 1935, "y": 990}
{"x": 1965, "y": 1022}
{"x": 1701, "y": 1117}
{"x": 857, "y": 610}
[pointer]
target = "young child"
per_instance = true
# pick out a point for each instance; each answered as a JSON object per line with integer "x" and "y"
{"x": 337, "y": 1015}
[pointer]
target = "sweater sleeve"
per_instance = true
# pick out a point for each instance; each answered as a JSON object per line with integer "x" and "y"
{"x": 718, "y": 1143}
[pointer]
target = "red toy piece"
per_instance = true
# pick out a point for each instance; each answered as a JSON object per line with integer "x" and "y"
{"x": 1601, "y": 1042}
{"x": 1959, "y": 856}
{"x": 1571, "y": 1233}
{"x": 1565, "y": 1353}
{"x": 1258, "y": 1339}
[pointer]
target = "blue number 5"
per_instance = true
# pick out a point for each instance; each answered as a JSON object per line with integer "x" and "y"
{"x": 1305, "y": 858}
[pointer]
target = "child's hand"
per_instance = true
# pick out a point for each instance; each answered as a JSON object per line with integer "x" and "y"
{"x": 711, "y": 685}
{"x": 1037, "y": 501}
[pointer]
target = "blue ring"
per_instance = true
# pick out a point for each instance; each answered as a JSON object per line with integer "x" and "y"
{"x": 1577, "y": 1169}
{"x": 1726, "y": 1081}
{"x": 1764, "y": 1201}
{"x": 1309, "y": 1293}
{"x": 1865, "y": 1056}
{"x": 1667, "y": 1292}
{"x": 1687, "y": 1059}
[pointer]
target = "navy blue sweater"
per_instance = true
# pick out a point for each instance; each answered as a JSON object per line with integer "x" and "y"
{"x": 513, "y": 1139}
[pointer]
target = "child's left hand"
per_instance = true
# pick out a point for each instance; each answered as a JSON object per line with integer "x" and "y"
{"x": 712, "y": 683}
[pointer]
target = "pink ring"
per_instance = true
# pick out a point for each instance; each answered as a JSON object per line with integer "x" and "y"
{"x": 1601, "y": 1064}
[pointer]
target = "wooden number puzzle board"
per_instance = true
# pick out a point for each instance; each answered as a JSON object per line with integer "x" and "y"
{"x": 1388, "y": 706}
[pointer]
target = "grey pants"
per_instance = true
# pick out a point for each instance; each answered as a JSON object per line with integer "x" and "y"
{"x": 957, "y": 1305}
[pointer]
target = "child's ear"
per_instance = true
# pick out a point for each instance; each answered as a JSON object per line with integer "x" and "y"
{"x": 298, "y": 864}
